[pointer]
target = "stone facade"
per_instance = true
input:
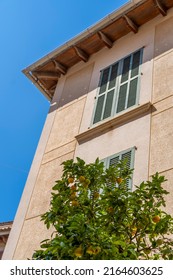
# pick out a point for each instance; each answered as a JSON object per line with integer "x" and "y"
{"x": 69, "y": 133}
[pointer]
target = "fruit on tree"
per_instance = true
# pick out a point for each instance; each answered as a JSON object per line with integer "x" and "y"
{"x": 156, "y": 219}
{"x": 119, "y": 180}
{"x": 70, "y": 180}
{"x": 81, "y": 179}
{"x": 74, "y": 203}
{"x": 78, "y": 252}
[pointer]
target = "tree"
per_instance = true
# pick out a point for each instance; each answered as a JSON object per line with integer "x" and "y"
{"x": 96, "y": 216}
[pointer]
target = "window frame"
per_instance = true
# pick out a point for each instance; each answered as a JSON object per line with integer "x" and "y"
{"x": 116, "y": 87}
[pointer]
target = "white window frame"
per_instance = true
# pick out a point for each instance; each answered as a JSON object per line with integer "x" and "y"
{"x": 116, "y": 87}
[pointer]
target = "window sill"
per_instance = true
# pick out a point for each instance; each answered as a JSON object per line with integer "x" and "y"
{"x": 124, "y": 117}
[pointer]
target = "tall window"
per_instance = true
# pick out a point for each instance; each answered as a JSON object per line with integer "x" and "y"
{"x": 127, "y": 155}
{"x": 118, "y": 87}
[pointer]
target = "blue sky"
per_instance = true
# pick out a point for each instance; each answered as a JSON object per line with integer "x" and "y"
{"x": 28, "y": 31}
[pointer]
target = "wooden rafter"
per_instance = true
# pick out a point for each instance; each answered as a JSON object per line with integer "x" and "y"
{"x": 160, "y": 7}
{"x": 61, "y": 68}
{"x": 131, "y": 25}
{"x": 105, "y": 39}
{"x": 46, "y": 75}
{"x": 52, "y": 88}
{"x": 81, "y": 54}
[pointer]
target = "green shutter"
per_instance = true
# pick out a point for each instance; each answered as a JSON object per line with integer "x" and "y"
{"x": 114, "y": 161}
{"x": 127, "y": 157}
{"x": 113, "y": 76}
{"x": 108, "y": 105}
{"x": 122, "y": 98}
{"x": 118, "y": 87}
{"x": 126, "y": 68}
{"x": 104, "y": 80}
{"x": 135, "y": 64}
{"x": 132, "y": 93}
{"x": 99, "y": 109}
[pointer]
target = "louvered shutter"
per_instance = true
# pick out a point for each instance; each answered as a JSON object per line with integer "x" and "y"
{"x": 101, "y": 97}
{"x": 118, "y": 87}
{"x": 127, "y": 157}
{"x": 106, "y": 94}
{"x": 114, "y": 161}
{"x": 136, "y": 58}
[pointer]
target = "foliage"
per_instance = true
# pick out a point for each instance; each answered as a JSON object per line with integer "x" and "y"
{"x": 96, "y": 216}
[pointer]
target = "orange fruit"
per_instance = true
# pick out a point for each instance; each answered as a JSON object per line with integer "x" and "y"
{"x": 74, "y": 203}
{"x": 156, "y": 219}
{"x": 78, "y": 252}
{"x": 110, "y": 209}
{"x": 119, "y": 180}
{"x": 93, "y": 251}
{"x": 73, "y": 188}
{"x": 81, "y": 179}
{"x": 96, "y": 195}
{"x": 90, "y": 250}
{"x": 73, "y": 196}
{"x": 70, "y": 180}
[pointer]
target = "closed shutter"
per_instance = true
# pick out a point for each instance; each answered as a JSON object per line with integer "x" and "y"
{"x": 128, "y": 157}
{"x": 114, "y": 161}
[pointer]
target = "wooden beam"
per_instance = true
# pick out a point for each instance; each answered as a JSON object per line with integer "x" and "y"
{"x": 81, "y": 54}
{"x": 132, "y": 26}
{"x": 61, "y": 68}
{"x": 105, "y": 39}
{"x": 52, "y": 88}
{"x": 46, "y": 75}
{"x": 160, "y": 7}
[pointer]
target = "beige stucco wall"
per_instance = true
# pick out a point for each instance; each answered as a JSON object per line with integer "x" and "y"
{"x": 71, "y": 113}
{"x": 135, "y": 133}
{"x": 161, "y": 157}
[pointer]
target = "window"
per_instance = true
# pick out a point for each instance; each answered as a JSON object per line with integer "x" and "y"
{"x": 118, "y": 87}
{"x": 127, "y": 155}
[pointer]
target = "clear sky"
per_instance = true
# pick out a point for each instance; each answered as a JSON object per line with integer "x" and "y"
{"x": 30, "y": 29}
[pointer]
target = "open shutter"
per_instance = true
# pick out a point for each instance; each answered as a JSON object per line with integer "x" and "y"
{"x": 101, "y": 96}
{"x": 106, "y": 94}
{"x": 134, "y": 78}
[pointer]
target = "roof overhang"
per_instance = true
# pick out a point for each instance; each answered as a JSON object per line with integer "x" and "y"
{"x": 46, "y": 72}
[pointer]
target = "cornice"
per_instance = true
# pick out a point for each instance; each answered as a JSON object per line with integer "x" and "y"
{"x": 120, "y": 119}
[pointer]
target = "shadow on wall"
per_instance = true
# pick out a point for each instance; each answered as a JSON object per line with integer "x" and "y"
{"x": 78, "y": 83}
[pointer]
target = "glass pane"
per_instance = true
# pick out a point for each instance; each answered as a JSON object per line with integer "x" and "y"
{"x": 126, "y": 67}
{"x": 113, "y": 76}
{"x": 99, "y": 108}
{"x": 135, "y": 64}
{"x": 108, "y": 106}
{"x": 132, "y": 93}
{"x": 104, "y": 80}
{"x": 122, "y": 98}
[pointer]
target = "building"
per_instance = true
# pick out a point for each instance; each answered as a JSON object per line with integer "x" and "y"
{"x": 111, "y": 96}
{"x": 4, "y": 233}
